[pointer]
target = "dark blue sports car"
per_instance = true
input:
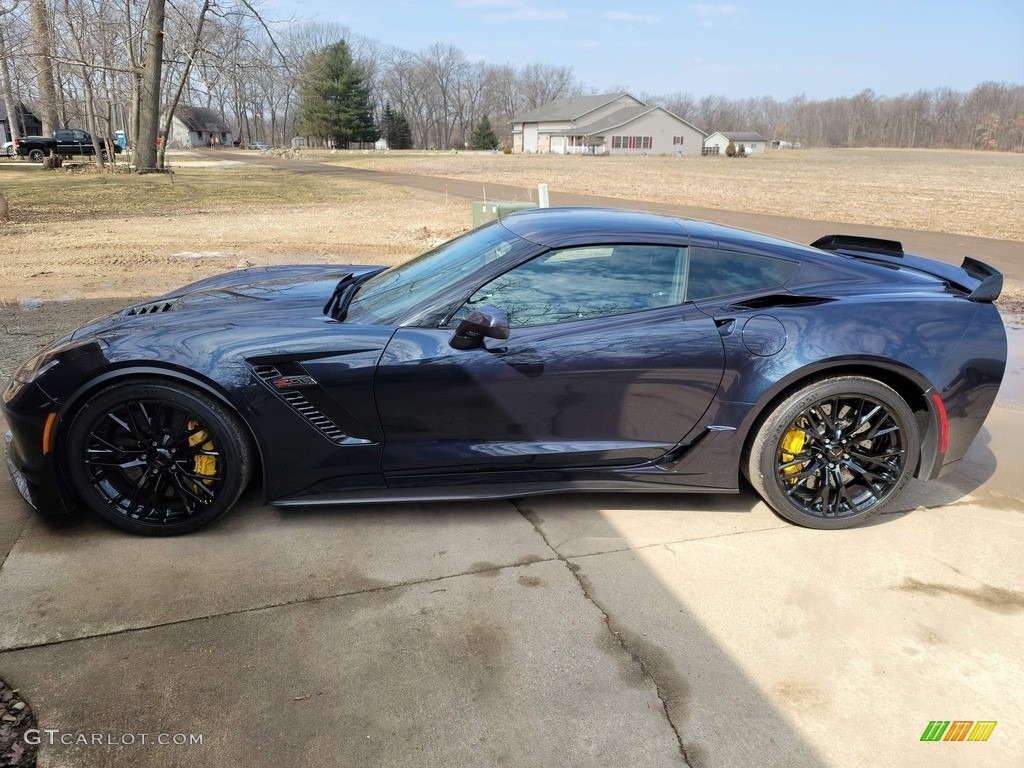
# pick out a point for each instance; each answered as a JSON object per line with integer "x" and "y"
{"x": 555, "y": 350}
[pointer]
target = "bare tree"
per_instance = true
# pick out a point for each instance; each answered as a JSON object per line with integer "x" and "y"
{"x": 189, "y": 51}
{"x": 41, "y": 36}
{"x": 149, "y": 96}
{"x": 540, "y": 84}
{"x": 5, "y": 79}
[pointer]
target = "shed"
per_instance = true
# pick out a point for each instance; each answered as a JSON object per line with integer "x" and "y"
{"x": 199, "y": 127}
{"x": 753, "y": 143}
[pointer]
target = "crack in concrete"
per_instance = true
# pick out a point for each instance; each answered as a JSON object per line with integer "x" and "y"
{"x": 637, "y": 547}
{"x": 645, "y": 671}
{"x": 21, "y": 532}
{"x": 271, "y": 606}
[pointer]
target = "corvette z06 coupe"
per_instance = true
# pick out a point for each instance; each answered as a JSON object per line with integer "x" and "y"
{"x": 557, "y": 349}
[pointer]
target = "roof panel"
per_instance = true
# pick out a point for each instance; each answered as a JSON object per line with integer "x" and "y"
{"x": 569, "y": 109}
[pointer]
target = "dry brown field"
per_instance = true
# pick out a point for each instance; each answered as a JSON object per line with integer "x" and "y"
{"x": 972, "y": 193}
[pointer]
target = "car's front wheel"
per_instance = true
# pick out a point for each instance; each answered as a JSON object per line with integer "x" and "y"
{"x": 835, "y": 452}
{"x": 157, "y": 458}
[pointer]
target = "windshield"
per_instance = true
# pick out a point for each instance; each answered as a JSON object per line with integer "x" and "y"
{"x": 390, "y": 295}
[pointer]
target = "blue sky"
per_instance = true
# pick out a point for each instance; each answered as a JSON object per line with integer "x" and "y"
{"x": 782, "y": 49}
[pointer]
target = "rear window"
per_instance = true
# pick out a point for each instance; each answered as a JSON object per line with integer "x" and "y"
{"x": 715, "y": 272}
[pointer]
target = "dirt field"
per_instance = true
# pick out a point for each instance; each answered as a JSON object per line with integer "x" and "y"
{"x": 81, "y": 244}
{"x": 971, "y": 193}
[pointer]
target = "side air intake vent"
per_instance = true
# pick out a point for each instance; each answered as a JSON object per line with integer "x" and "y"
{"x": 302, "y": 406}
{"x": 150, "y": 309}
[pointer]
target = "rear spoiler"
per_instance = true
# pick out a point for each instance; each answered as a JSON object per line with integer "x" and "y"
{"x": 991, "y": 280}
{"x": 975, "y": 278}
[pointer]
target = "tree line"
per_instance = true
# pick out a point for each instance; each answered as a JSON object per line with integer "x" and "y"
{"x": 111, "y": 64}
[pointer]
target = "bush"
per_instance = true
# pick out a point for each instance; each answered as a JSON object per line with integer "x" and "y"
{"x": 730, "y": 150}
{"x": 507, "y": 150}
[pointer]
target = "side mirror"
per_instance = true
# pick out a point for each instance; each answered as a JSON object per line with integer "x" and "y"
{"x": 482, "y": 322}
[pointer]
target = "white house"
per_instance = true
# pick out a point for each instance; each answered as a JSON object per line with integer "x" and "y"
{"x": 610, "y": 123}
{"x": 753, "y": 143}
{"x": 199, "y": 127}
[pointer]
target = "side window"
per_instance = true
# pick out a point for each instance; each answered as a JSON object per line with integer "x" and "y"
{"x": 79, "y": 137}
{"x": 715, "y": 272}
{"x": 581, "y": 283}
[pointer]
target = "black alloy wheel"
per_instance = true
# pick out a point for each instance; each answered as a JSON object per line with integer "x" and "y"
{"x": 157, "y": 458}
{"x": 835, "y": 453}
{"x": 36, "y": 155}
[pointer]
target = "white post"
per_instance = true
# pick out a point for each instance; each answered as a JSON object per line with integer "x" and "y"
{"x": 542, "y": 196}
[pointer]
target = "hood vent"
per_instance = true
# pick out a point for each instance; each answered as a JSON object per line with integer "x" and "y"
{"x": 152, "y": 308}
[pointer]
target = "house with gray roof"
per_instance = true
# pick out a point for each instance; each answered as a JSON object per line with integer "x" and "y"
{"x": 753, "y": 143}
{"x": 604, "y": 124}
{"x": 199, "y": 127}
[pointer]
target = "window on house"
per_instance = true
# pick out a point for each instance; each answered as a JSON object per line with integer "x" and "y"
{"x": 632, "y": 142}
{"x": 677, "y": 141}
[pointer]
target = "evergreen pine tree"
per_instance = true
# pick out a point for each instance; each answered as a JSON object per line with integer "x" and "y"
{"x": 334, "y": 99}
{"x": 395, "y": 128}
{"x": 484, "y": 136}
{"x": 403, "y": 132}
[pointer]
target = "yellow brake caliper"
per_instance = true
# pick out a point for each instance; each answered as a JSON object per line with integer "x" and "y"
{"x": 792, "y": 444}
{"x": 203, "y": 465}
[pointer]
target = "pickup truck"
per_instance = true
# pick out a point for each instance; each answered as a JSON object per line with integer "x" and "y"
{"x": 66, "y": 141}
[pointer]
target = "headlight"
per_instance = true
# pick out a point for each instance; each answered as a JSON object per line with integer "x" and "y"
{"x": 35, "y": 366}
{"x": 47, "y": 358}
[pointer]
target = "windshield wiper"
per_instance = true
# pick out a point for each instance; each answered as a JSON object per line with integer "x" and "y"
{"x": 337, "y": 305}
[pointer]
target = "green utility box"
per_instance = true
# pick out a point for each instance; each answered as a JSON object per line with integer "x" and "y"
{"x": 489, "y": 210}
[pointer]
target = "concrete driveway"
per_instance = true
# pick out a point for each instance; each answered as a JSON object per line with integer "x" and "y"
{"x": 589, "y": 630}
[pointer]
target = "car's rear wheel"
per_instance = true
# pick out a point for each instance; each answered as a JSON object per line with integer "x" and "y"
{"x": 157, "y": 458}
{"x": 36, "y": 155}
{"x": 835, "y": 453}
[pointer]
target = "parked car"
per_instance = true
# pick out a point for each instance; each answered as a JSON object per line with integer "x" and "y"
{"x": 67, "y": 142}
{"x": 553, "y": 350}
{"x": 259, "y": 145}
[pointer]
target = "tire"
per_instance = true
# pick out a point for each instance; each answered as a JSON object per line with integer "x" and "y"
{"x": 157, "y": 458}
{"x": 36, "y": 155}
{"x": 834, "y": 453}
{"x": 104, "y": 156}
{"x": 10, "y": 151}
